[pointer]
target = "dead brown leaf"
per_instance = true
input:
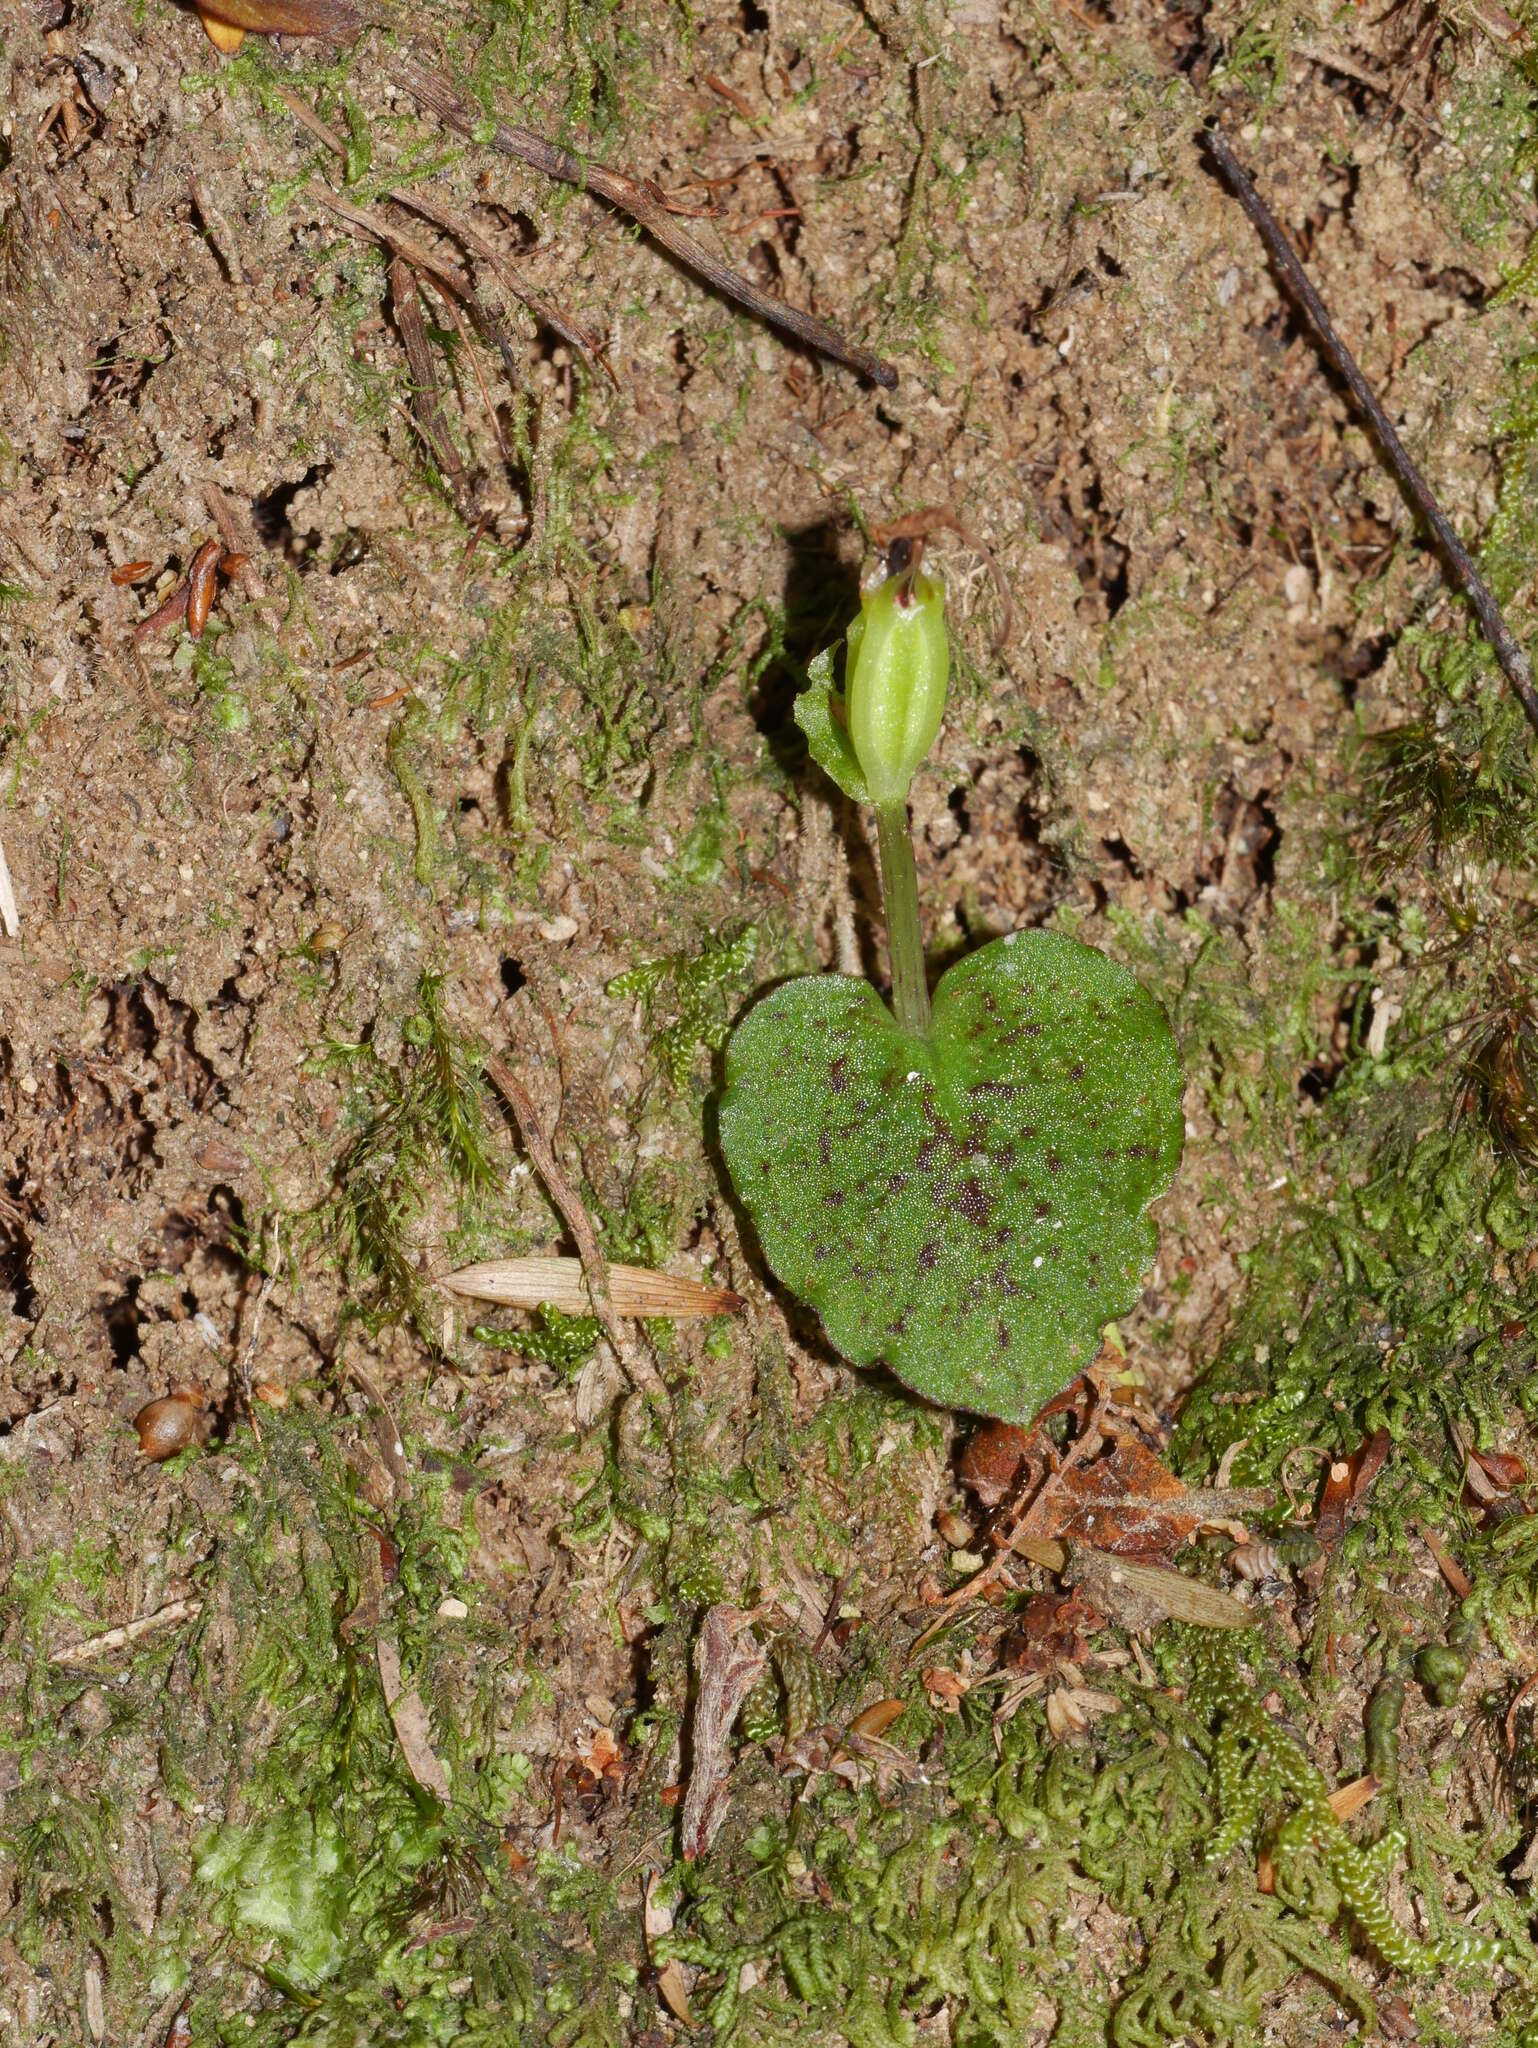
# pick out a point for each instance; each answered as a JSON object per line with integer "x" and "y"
{"x": 946, "y": 1688}
{"x": 672, "y": 1983}
{"x": 1053, "y": 1629}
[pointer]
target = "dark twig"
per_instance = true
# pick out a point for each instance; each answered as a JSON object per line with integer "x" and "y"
{"x": 1514, "y": 663}
{"x": 645, "y": 204}
{"x": 416, "y": 199}
{"x": 426, "y": 399}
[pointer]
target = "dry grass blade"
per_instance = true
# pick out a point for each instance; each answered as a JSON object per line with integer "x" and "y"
{"x": 559, "y": 1283}
{"x": 128, "y": 1632}
{"x": 644, "y": 204}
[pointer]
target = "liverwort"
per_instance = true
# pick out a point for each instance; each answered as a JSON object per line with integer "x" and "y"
{"x": 960, "y": 1188}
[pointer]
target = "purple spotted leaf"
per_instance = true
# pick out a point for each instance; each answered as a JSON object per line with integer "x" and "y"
{"x": 969, "y": 1209}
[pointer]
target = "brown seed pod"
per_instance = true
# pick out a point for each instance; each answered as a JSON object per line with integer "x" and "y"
{"x": 201, "y": 578}
{"x": 168, "y": 1425}
{"x": 130, "y": 572}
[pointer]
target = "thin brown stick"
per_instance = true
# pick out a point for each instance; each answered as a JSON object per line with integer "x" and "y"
{"x": 128, "y": 1632}
{"x": 426, "y": 399}
{"x": 595, "y": 1266}
{"x": 1348, "y": 67}
{"x": 238, "y": 543}
{"x": 1456, "y": 558}
{"x": 376, "y": 228}
{"x": 644, "y": 205}
{"x": 462, "y": 328}
{"x": 417, "y": 200}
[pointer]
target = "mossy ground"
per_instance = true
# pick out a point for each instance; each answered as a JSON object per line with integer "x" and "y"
{"x": 411, "y": 801}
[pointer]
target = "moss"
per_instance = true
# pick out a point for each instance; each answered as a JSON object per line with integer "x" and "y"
{"x": 696, "y": 988}
{"x": 419, "y": 1125}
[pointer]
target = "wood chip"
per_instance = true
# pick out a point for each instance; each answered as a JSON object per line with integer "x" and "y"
{"x": 657, "y": 1920}
{"x": 1346, "y": 1800}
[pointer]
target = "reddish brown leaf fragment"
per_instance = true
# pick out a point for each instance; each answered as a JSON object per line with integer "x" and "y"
{"x": 1054, "y": 1629}
{"x": 875, "y": 1719}
{"x": 1456, "y": 1577}
{"x": 1503, "y": 1469}
{"x": 994, "y": 1460}
{"x": 1330, "y": 1519}
{"x": 1368, "y": 1463}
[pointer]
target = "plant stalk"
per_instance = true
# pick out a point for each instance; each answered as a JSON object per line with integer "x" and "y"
{"x": 900, "y": 899}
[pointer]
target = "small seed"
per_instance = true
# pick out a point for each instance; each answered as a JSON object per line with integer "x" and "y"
{"x": 201, "y": 578}
{"x": 131, "y": 572}
{"x": 224, "y": 35}
{"x": 168, "y": 1425}
{"x": 270, "y": 1394}
{"x": 327, "y": 938}
{"x": 875, "y": 1719}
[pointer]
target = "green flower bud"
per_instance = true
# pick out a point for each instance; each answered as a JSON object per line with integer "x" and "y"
{"x": 899, "y": 659}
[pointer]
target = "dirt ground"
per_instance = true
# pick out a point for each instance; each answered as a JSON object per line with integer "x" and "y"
{"x": 487, "y": 749}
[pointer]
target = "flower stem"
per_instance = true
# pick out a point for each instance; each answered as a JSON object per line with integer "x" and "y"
{"x": 900, "y": 897}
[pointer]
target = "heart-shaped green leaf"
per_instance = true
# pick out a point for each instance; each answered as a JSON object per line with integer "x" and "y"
{"x": 971, "y": 1208}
